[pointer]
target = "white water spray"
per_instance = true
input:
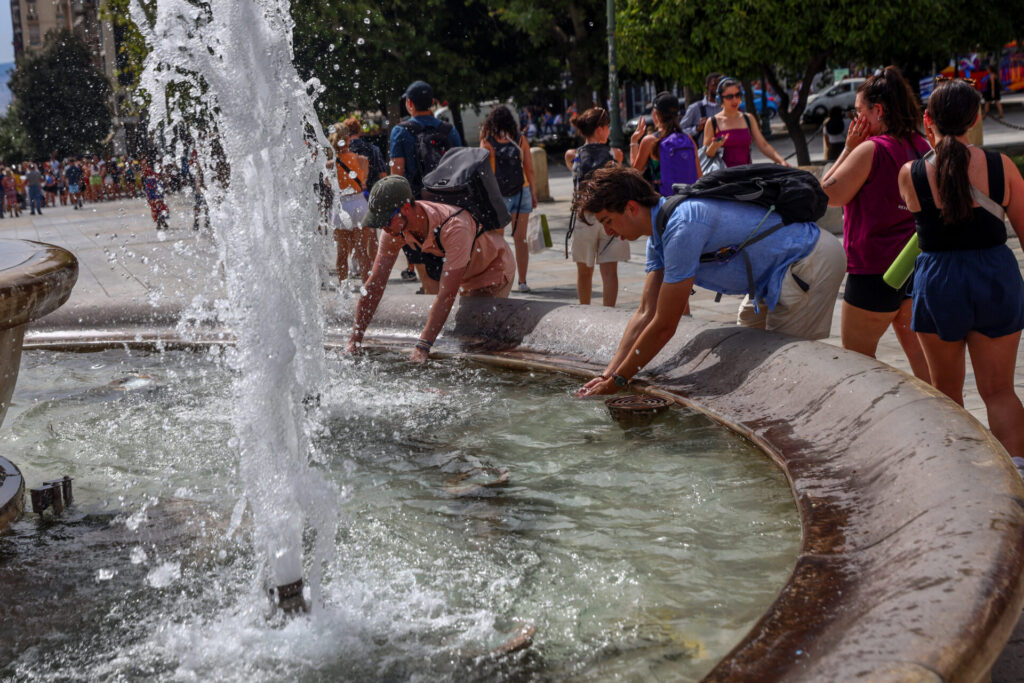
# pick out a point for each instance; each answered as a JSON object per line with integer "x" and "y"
{"x": 224, "y": 70}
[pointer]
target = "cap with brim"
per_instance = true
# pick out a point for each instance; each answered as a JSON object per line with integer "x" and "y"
{"x": 387, "y": 195}
{"x": 421, "y": 94}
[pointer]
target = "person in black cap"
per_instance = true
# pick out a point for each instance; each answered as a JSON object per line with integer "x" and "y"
{"x": 417, "y": 145}
{"x": 475, "y": 265}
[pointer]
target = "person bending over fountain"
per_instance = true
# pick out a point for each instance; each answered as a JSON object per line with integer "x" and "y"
{"x": 474, "y": 264}
{"x": 794, "y": 272}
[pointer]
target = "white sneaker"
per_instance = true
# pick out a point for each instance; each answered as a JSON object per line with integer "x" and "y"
{"x": 523, "y": 287}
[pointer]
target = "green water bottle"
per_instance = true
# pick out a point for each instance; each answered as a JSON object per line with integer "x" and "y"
{"x": 544, "y": 229}
{"x": 903, "y": 266}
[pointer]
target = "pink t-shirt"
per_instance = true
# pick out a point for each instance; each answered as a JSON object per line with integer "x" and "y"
{"x": 488, "y": 259}
{"x": 876, "y": 222}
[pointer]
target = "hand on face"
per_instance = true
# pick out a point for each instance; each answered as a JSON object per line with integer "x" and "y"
{"x": 860, "y": 130}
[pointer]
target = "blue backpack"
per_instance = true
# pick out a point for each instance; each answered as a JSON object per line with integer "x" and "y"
{"x": 677, "y": 158}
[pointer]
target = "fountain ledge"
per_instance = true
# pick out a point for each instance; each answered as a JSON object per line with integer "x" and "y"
{"x": 912, "y": 514}
{"x": 35, "y": 279}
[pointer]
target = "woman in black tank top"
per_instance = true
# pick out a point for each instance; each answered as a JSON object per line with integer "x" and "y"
{"x": 968, "y": 289}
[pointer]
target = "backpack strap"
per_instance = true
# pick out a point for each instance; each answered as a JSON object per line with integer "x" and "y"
{"x": 666, "y": 211}
{"x": 746, "y": 117}
{"x": 919, "y": 175}
{"x": 349, "y": 171}
{"x": 996, "y": 177}
{"x": 725, "y": 254}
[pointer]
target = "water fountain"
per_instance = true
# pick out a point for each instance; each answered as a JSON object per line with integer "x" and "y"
{"x": 911, "y": 550}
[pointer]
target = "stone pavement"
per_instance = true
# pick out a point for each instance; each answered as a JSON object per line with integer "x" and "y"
{"x": 124, "y": 259}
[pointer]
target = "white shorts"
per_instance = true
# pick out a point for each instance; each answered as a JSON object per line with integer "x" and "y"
{"x": 350, "y": 212}
{"x": 590, "y": 245}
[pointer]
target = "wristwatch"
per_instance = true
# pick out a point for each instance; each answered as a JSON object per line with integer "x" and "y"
{"x": 620, "y": 381}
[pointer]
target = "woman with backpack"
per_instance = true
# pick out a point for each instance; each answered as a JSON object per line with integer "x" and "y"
{"x": 731, "y": 131}
{"x": 876, "y": 222}
{"x": 513, "y": 167}
{"x": 668, "y": 155}
{"x": 590, "y": 244}
{"x": 968, "y": 290}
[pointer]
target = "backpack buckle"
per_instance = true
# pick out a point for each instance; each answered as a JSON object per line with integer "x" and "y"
{"x": 720, "y": 256}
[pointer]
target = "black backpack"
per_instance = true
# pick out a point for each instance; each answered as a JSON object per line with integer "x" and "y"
{"x": 589, "y": 158}
{"x": 431, "y": 146}
{"x": 464, "y": 178}
{"x": 794, "y": 195}
{"x": 508, "y": 167}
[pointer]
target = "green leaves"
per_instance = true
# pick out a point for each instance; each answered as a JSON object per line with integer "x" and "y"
{"x": 63, "y": 100}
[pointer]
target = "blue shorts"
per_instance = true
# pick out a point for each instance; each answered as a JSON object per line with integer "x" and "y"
{"x": 956, "y": 292}
{"x": 522, "y": 202}
{"x": 72, "y": 188}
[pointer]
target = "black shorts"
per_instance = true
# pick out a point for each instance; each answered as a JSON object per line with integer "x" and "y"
{"x": 872, "y": 294}
{"x": 433, "y": 264}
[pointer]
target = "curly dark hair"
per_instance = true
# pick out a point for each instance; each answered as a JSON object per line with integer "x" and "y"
{"x": 610, "y": 188}
{"x": 900, "y": 110}
{"x": 499, "y": 121}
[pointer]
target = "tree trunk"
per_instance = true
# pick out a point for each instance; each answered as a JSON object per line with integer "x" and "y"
{"x": 792, "y": 118}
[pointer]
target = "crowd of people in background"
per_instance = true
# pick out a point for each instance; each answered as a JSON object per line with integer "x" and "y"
{"x": 31, "y": 186}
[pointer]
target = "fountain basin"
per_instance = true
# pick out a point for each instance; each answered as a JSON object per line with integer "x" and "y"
{"x": 912, "y": 514}
{"x": 35, "y": 279}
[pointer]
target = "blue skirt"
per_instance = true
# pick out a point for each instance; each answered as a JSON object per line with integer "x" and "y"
{"x": 956, "y": 292}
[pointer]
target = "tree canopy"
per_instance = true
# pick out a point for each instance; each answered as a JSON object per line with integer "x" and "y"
{"x": 63, "y": 101}
{"x": 365, "y": 53}
{"x": 683, "y": 40}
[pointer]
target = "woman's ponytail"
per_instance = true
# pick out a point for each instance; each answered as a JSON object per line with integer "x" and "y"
{"x": 951, "y": 160}
{"x": 953, "y": 108}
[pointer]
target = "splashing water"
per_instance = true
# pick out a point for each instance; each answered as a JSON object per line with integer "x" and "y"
{"x": 224, "y": 71}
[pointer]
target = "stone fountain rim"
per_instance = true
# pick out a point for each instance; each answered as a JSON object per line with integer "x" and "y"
{"x": 876, "y": 589}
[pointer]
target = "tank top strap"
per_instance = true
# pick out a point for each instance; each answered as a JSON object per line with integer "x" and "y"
{"x": 919, "y": 174}
{"x": 996, "y": 178}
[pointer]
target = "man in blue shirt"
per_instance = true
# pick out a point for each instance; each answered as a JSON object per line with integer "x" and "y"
{"x": 417, "y": 144}
{"x": 795, "y": 272}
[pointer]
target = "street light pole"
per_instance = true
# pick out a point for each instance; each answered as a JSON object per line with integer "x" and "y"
{"x": 616, "y": 138}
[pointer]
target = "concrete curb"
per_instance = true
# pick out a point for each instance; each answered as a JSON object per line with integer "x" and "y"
{"x": 912, "y": 514}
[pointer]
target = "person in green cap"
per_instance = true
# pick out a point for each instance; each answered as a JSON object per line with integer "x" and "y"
{"x": 474, "y": 264}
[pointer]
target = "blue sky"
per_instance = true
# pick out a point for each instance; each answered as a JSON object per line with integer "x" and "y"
{"x": 6, "y": 35}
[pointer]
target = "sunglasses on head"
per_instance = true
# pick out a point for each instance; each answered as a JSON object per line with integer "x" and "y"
{"x": 732, "y": 96}
{"x": 946, "y": 79}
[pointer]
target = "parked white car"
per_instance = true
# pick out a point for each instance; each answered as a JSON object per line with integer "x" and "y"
{"x": 842, "y": 94}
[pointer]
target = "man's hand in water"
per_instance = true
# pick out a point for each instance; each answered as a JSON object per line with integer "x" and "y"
{"x": 353, "y": 347}
{"x": 597, "y": 387}
{"x": 418, "y": 355}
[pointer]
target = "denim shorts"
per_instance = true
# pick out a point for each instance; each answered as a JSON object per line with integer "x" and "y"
{"x": 522, "y": 202}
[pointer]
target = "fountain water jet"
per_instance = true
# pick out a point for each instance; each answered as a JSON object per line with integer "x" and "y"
{"x": 225, "y": 68}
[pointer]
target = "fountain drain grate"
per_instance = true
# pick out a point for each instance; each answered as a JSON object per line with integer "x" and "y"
{"x": 636, "y": 409}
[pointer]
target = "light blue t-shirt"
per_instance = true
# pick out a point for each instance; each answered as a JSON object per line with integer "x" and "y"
{"x": 706, "y": 225}
{"x": 403, "y": 143}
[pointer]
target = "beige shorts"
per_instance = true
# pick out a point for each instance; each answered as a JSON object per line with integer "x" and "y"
{"x": 590, "y": 245}
{"x": 799, "y": 313}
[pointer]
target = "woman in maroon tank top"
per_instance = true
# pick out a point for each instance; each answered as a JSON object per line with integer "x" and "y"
{"x": 876, "y": 222}
{"x": 731, "y": 131}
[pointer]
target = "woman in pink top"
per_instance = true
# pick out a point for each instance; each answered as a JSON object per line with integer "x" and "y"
{"x": 876, "y": 222}
{"x": 731, "y": 131}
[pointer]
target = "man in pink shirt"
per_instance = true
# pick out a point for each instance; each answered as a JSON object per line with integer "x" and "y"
{"x": 475, "y": 263}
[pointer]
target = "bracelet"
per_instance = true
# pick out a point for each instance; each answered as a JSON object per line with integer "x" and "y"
{"x": 424, "y": 345}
